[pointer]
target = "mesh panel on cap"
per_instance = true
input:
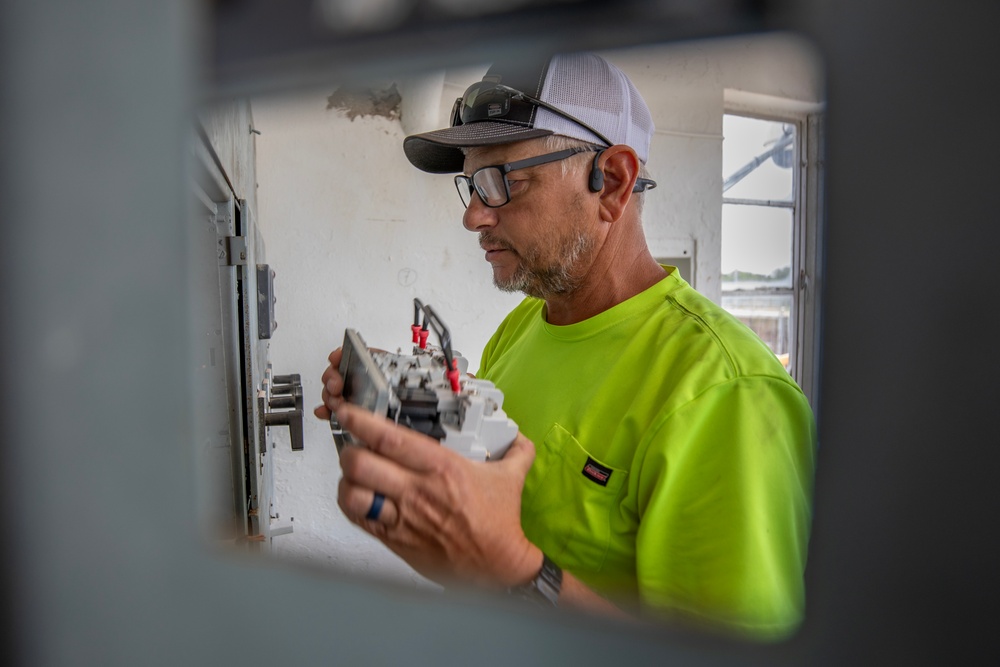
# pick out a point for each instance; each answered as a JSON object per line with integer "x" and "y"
{"x": 599, "y": 94}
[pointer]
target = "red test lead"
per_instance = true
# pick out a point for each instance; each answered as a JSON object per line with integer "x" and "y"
{"x": 453, "y": 376}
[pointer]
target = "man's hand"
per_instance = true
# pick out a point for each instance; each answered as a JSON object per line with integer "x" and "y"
{"x": 333, "y": 386}
{"x": 451, "y": 519}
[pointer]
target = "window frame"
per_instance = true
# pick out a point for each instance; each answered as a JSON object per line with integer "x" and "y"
{"x": 807, "y": 235}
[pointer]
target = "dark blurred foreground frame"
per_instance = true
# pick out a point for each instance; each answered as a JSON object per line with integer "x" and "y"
{"x": 102, "y": 563}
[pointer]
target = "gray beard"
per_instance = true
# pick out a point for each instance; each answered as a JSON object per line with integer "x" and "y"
{"x": 543, "y": 282}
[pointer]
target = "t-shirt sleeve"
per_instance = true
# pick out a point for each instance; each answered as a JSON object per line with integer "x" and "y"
{"x": 725, "y": 496}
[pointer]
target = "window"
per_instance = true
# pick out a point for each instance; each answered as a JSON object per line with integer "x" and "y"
{"x": 770, "y": 226}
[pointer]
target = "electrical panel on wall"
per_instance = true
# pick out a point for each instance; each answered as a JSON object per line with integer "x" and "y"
{"x": 237, "y": 397}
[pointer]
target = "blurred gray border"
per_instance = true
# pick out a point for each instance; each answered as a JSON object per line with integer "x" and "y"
{"x": 101, "y": 559}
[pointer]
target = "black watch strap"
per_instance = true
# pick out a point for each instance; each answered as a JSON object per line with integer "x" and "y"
{"x": 545, "y": 587}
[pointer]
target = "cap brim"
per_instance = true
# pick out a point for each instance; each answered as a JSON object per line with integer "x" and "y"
{"x": 439, "y": 152}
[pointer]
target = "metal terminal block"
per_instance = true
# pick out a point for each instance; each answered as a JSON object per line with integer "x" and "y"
{"x": 418, "y": 391}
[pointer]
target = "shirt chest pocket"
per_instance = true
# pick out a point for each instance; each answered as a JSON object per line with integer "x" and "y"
{"x": 568, "y": 500}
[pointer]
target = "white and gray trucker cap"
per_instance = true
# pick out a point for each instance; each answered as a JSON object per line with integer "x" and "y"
{"x": 579, "y": 95}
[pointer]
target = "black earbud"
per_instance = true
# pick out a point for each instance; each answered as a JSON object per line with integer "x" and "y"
{"x": 596, "y": 175}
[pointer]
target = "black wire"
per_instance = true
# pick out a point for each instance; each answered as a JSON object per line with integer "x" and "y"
{"x": 444, "y": 336}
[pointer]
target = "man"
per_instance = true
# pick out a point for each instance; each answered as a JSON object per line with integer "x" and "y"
{"x": 665, "y": 459}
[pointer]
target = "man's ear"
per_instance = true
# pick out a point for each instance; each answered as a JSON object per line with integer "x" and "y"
{"x": 620, "y": 167}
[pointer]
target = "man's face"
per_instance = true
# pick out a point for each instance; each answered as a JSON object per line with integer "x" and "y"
{"x": 542, "y": 240}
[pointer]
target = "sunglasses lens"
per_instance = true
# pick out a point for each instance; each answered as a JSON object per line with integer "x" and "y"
{"x": 483, "y": 101}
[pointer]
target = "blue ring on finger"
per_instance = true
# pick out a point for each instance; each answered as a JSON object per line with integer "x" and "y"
{"x": 376, "y": 507}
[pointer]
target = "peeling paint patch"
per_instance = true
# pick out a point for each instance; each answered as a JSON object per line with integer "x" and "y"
{"x": 356, "y": 102}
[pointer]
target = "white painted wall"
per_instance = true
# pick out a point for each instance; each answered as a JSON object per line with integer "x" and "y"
{"x": 354, "y": 232}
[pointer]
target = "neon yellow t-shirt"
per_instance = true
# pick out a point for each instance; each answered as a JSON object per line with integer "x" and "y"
{"x": 675, "y": 456}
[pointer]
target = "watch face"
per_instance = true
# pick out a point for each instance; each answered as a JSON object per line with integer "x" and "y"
{"x": 544, "y": 589}
{"x": 548, "y": 583}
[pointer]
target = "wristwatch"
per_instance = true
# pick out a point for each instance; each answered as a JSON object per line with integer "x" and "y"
{"x": 544, "y": 589}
